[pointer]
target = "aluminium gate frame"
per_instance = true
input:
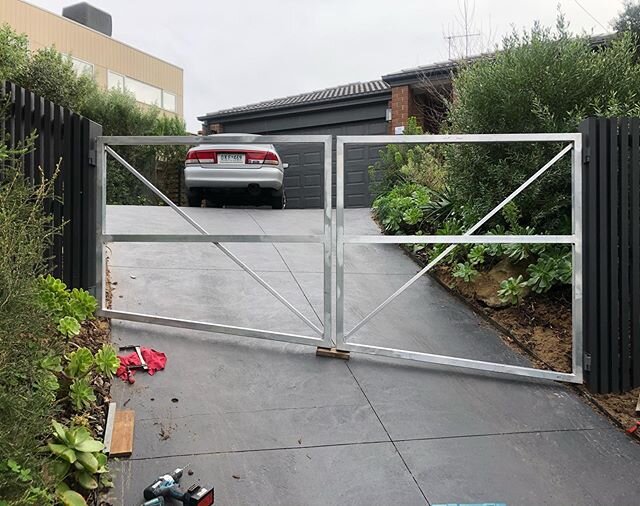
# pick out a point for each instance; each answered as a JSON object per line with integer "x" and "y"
{"x": 575, "y": 239}
{"x": 104, "y": 146}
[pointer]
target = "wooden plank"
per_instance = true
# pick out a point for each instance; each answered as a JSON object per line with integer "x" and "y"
{"x": 122, "y": 436}
{"x": 332, "y": 353}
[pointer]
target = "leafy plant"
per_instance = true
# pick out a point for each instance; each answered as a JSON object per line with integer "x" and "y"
{"x": 549, "y": 271}
{"x": 52, "y": 363}
{"x": 48, "y": 384}
{"x": 80, "y": 362}
{"x": 68, "y": 308}
{"x": 81, "y": 394}
{"x": 78, "y": 456}
{"x": 69, "y": 497}
{"x": 82, "y": 304}
{"x": 477, "y": 254}
{"x": 511, "y": 290}
{"x": 412, "y": 216}
{"x": 464, "y": 271}
{"x": 400, "y": 210}
{"x": 440, "y": 207}
{"x": 106, "y": 360}
{"x": 68, "y": 326}
{"x": 23, "y": 474}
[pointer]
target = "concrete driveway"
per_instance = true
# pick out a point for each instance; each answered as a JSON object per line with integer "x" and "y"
{"x": 270, "y": 423}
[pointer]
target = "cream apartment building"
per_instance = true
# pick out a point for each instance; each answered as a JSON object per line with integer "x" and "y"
{"x": 86, "y": 39}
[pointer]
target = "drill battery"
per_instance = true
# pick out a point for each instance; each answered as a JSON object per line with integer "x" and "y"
{"x": 198, "y": 496}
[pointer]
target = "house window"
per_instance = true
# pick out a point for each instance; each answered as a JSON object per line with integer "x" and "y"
{"x": 168, "y": 101}
{"x": 143, "y": 92}
{"x": 115, "y": 81}
{"x": 80, "y": 66}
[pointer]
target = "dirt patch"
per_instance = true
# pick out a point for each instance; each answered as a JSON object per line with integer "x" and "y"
{"x": 620, "y": 407}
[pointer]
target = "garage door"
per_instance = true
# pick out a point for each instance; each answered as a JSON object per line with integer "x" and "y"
{"x": 304, "y": 178}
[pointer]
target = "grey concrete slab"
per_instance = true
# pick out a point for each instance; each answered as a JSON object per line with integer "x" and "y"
{"x": 422, "y": 401}
{"x": 224, "y": 393}
{"x": 354, "y": 475}
{"x": 215, "y": 296}
{"x": 557, "y": 468}
{"x": 298, "y": 429}
{"x": 164, "y": 220}
{"x": 424, "y": 318}
{"x": 292, "y": 221}
{"x": 189, "y": 256}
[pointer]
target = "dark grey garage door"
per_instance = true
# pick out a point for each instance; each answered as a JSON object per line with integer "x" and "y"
{"x": 304, "y": 179}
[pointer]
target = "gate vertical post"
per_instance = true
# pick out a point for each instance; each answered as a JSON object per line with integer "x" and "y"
{"x": 339, "y": 244}
{"x": 328, "y": 242}
{"x": 577, "y": 347}
{"x": 100, "y": 213}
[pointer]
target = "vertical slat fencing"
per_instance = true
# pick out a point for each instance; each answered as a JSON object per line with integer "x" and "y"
{"x": 65, "y": 141}
{"x": 611, "y": 253}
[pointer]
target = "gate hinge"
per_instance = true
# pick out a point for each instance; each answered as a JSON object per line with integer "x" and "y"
{"x": 92, "y": 155}
{"x": 587, "y": 361}
{"x": 587, "y": 158}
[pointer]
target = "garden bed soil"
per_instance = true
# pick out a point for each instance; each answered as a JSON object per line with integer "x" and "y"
{"x": 540, "y": 327}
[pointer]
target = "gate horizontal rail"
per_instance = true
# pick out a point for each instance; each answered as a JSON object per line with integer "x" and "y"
{"x": 105, "y": 147}
{"x": 574, "y": 146}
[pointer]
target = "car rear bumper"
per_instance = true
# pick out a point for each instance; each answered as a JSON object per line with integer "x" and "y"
{"x": 218, "y": 177}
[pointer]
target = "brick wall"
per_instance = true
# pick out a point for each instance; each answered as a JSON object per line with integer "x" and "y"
{"x": 403, "y": 105}
{"x": 212, "y": 128}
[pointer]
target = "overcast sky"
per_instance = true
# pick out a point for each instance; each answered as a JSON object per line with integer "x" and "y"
{"x": 236, "y": 52}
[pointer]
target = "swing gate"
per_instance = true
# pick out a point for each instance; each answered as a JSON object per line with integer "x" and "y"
{"x": 334, "y": 239}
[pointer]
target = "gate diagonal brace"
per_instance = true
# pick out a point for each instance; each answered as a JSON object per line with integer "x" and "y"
{"x": 332, "y": 353}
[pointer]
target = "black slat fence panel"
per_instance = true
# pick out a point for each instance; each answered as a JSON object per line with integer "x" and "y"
{"x": 624, "y": 274}
{"x": 634, "y": 252}
{"x": 65, "y": 147}
{"x": 611, "y": 217}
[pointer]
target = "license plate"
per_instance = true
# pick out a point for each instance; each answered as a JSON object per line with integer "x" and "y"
{"x": 230, "y": 158}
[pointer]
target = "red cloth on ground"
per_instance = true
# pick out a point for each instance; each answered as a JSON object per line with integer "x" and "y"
{"x": 156, "y": 360}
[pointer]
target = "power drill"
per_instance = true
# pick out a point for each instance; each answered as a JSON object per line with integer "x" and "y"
{"x": 168, "y": 486}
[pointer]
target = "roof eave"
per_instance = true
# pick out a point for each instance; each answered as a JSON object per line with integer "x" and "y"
{"x": 331, "y": 103}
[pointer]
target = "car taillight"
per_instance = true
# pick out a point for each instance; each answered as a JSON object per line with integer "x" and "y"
{"x": 262, "y": 157}
{"x": 198, "y": 157}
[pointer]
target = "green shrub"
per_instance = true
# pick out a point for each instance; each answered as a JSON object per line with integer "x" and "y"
{"x": 68, "y": 308}
{"x": 542, "y": 81}
{"x": 27, "y": 389}
{"x": 401, "y": 210}
{"x": 25, "y": 232}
